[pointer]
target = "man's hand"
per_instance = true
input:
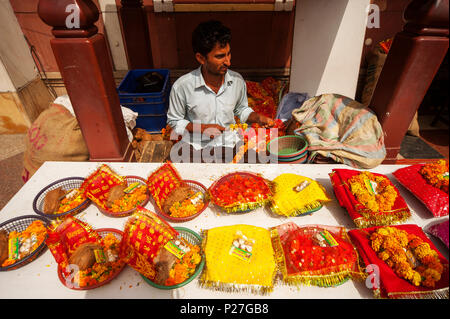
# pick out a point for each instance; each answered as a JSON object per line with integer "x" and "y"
{"x": 213, "y": 130}
{"x": 262, "y": 120}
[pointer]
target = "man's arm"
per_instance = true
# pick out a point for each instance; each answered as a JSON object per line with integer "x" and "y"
{"x": 260, "y": 119}
{"x": 176, "y": 117}
{"x": 177, "y": 110}
{"x": 246, "y": 113}
{"x": 212, "y": 129}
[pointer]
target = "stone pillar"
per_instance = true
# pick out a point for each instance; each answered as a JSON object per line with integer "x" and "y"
{"x": 86, "y": 67}
{"x": 135, "y": 34}
{"x": 413, "y": 61}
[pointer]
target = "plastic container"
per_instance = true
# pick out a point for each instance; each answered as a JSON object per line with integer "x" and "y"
{"x": 19, "y": 224}
{"x": 193, "y": 238}
{"x": 151, "y": 122}
{"x": 130, "y": 180}
{"x": 196, "y": 187}
{"x": 151, "y": 107}
{"x": 66, "y": 184}
{"x": 68, "y": 282}
{"x": 302, "y": 160}
{"x": 288, "y": 146}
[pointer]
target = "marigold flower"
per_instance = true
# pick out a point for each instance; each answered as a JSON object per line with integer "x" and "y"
{"x": 394, "y": 244}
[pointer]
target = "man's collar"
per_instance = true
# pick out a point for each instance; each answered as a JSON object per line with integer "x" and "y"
{"x": 200, "y": 81}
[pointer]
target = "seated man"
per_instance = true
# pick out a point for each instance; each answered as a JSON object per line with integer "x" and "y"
{"x": 204, "y": 102}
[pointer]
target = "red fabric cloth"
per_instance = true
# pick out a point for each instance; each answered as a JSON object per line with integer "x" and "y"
{"x": 435, "y": 199}
{"x": 298, "y": 245}
{"x": 67, "y": 236}
{"x": 143, "y": 237}
{"x": 99, "y": 183}
{"x": 162, "y": 181}
{"x": 391, "y": 285}
{"x": 346, "y": 199}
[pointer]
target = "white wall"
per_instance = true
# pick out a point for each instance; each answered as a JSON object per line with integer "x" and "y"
{"x": 114, "y": 34}
{"x": 327, "y": 46}
{"x": 5, "y": 81}
{"x": 14, "y": 51}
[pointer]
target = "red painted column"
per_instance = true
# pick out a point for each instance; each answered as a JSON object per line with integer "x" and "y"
{"x": 413, "y": 61}
{"x": 135, "y": 34}
{"x": 86, "y": 67}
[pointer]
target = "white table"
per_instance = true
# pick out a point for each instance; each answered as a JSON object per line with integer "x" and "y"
{"x": 39, "y": 279}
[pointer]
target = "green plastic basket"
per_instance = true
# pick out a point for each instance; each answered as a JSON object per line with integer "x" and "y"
{"x": 193, "y": 238}
{"x": 288, "y": 146}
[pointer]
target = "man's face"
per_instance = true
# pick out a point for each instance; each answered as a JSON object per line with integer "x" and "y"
{"x": 218, "y": 60}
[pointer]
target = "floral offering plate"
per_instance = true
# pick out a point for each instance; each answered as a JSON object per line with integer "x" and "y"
{"x": 240, "y": 192}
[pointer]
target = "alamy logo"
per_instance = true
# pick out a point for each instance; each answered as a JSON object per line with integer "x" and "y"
{"x": 73, "y": 19}
{"x": 73, "y": 279}
{"x": 373, "y": 18}
{"x": 181, "y": 152}
{"x": 373, "y": 279}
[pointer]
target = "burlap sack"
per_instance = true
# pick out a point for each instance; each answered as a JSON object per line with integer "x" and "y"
{"x": 54, "y": 136}
{"x": 342, "y": 129}
{"x": 375, "y": 63}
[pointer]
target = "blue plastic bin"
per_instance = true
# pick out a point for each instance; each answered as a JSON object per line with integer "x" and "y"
{"x": 151, "y": 107}
{"x": 152, "y": 123}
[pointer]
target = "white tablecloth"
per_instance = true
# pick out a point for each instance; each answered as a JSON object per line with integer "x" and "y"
{"x": 39, "y": 279}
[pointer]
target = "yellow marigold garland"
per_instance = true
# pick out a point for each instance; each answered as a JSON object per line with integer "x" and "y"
{"x": 397, "y": 247}
{"x": 379, "y": 200}
{"x": 436, "y": 174}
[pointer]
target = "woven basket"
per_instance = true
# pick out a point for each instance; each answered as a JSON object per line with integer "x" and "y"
{"x": 66, "y": 184}
{"x": 196, "y": 187}
{"x": 288, "y": 146}
{"x": 68, "y": 282}
{"x": 301, "y": 160}
{"x": 19, "y": 224}
{"x": 193, "y": 238}
{"x": 130, "y": 180}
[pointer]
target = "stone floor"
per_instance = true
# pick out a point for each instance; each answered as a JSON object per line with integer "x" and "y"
{"x": 11, "y": 165}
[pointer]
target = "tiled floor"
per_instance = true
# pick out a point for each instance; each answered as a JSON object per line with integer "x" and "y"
{"x": 436, "y": 136}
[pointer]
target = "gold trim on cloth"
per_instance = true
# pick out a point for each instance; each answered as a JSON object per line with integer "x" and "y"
{"x": 369, "y": 219}
{"x": 289, "y": 202}
{"x": 442, "y": 293}
{"x": 316, "y": 278}
{"x": 245, "y": 206}
{"x": 224, "y": 272}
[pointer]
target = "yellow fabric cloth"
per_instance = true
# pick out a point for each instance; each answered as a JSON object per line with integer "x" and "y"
{"x": 288, "y": 202}
{"x": 224, "y": 271}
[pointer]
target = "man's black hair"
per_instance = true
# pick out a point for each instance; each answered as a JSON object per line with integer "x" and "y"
{"x": 207, "y": 34}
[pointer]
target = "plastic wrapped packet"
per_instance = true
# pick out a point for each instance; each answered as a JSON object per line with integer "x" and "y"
{"x": 369, "y": 198}
{"x": 238, "y": 258}
{"x": 297, "y": 195}
{"x": 315, "y": 255}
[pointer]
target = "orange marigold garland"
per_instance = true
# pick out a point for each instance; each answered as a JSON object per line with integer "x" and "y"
{"x": 25, "y": 242}
{"x": 374, "y": 192}
{"x": 102, "y": 271}
{"x": 189, "y": 206}
{"x": 408, "y": 255}
{"x": 369, "y": 198}
{"x": 401, "y": 262}
{"x": 70, "y": 202}
{"x": 130, "y": 200}
{"x": 185, "y": 266}
{"x": 436, "y": 174}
